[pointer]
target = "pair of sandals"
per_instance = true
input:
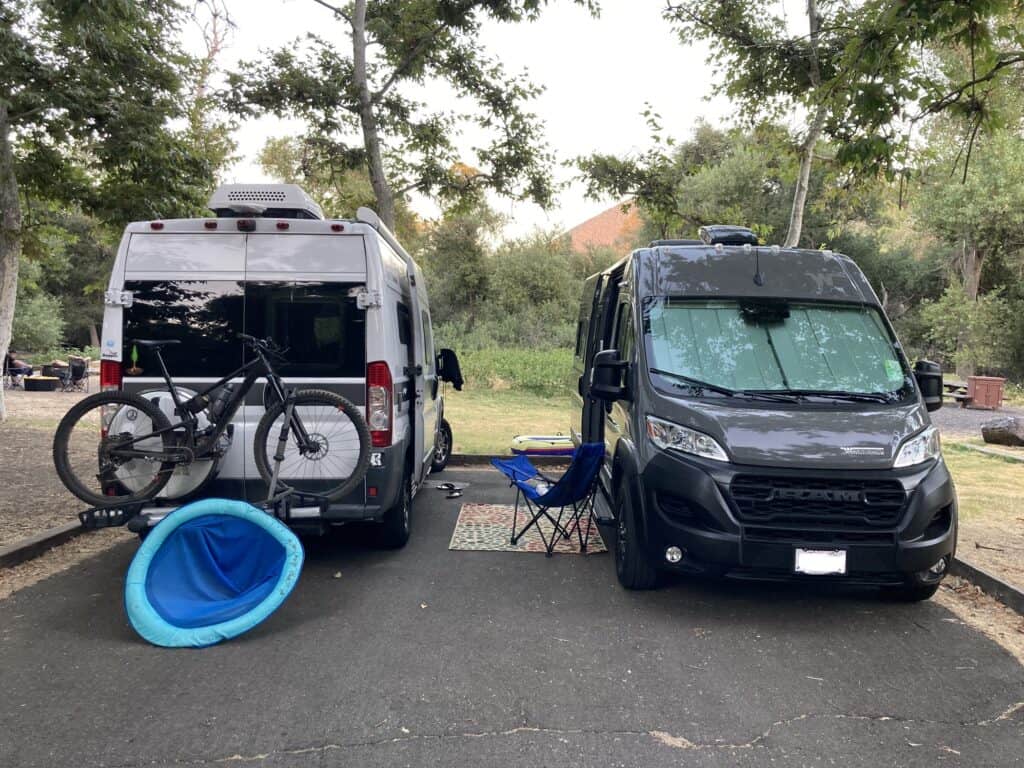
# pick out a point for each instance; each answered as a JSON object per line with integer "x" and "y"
{"x": 454, "y": 489}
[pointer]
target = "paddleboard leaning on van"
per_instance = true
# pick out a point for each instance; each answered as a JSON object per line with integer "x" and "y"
{"x": 761, "y": 420}
{"x": 262, "y": 347}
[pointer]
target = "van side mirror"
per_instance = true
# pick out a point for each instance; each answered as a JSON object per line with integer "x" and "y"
{"x": 606, "y": 376}
{"x": 929, "y": 381}
{"x": 448, "y": 368}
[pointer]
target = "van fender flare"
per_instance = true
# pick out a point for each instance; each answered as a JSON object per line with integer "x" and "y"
{"x": 626, "y": 469}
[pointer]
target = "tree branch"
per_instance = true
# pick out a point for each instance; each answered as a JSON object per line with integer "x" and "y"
{"x": 1008, "y": 60}
{"x": 335, "y": 10}
{"x": 407, "y": 62}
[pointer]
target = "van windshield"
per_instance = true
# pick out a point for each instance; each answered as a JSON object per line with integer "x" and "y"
{"x": 773, "y": 347}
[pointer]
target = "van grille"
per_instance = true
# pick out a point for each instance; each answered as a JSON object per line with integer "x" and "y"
{"x": 818, "y": 503}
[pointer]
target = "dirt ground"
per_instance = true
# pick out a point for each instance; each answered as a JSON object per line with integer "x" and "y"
{"x": 34, "y": 498}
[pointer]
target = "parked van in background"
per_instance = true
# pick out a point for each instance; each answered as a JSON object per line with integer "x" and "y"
{"x": 761, "y": 420}
{"x": 343, "y": 297}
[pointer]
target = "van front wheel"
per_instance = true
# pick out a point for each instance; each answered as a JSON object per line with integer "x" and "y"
{"x": 631, "y": 567}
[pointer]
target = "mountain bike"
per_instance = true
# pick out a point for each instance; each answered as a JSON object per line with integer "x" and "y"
{"x": 115, "y": 448}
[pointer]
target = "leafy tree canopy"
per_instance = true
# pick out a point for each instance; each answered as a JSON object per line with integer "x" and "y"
{"x": 355, "y": 97}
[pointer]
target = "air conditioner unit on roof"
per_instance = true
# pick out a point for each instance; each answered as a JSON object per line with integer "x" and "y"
{"x": 279, "y": 201}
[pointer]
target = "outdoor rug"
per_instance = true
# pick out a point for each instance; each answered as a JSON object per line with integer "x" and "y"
{"x": 488, "y": 527}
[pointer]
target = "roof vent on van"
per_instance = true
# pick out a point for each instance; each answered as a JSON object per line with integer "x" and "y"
{"x": 727, "y": 234}
{"x": 277, "y": 201}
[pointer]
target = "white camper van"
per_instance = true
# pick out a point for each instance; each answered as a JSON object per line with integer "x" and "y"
{"x": 343, "y": 297}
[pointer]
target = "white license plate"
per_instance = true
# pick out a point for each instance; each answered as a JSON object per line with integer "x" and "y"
{"x": 820, "y": 562}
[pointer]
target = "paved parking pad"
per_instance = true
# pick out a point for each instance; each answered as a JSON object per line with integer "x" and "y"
{"x": 432, "y": 657}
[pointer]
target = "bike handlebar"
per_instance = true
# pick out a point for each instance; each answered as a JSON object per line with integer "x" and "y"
{"x": 266, "y": 345}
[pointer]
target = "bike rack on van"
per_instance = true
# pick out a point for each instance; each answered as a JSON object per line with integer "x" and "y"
{"x": 280, "y": 506}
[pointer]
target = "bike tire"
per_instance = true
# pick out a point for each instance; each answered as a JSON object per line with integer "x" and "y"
{"x": 61, "y": 457}
{"x": 312, "y": 398}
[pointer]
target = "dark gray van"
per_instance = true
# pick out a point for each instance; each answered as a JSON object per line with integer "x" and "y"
{"x": 761, "y": 420}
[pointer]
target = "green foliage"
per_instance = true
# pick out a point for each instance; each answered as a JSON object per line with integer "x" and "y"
{"x": 92, "y": 89}
{"x": 540, "y": 371}
{"x": 39, "y": 321}
{"x": 975, "y": 332}
{"x": 736, "y": 176}
{"x": 457, "y": 261}
{"x": 412, "y": 41}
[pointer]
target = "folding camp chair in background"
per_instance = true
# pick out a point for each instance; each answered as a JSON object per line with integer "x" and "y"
{"x": 75, "y": 378}
{"x": 574, "y": 490}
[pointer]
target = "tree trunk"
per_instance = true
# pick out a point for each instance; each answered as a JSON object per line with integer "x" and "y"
{"x": 972, "y": 264}
{"x": 796, "y": 216}
{"x": 368, "y": 120}
{"x": 10, "y": 239}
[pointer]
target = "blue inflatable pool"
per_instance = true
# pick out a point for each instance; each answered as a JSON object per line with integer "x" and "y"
{"x": 210, "y": 571}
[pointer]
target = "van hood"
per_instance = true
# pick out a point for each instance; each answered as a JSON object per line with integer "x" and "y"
{"x": 843, "y": 437}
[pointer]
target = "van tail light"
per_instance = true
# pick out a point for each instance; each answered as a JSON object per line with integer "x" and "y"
{"x": 379, "y": 410}
{"x": 110, "y": 379}
{"x": 110, "y": 375}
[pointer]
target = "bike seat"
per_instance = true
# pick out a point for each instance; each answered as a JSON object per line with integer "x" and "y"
{"x": 155, "y": 343}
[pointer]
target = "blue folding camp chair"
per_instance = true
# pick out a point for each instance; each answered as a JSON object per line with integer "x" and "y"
{"x": 575, "y": 490}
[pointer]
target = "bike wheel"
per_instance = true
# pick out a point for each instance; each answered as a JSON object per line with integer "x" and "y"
{"x": 338, "y": 429}
{"x": 84, "y": 449}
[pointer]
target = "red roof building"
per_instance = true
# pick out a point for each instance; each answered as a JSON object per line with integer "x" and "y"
{"x": 612, "y": 228}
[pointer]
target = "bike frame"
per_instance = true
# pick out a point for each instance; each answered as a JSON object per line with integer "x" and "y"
{"x": 252, "y": 370}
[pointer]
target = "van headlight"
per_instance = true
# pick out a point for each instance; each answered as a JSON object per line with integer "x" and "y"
{"x": 919, "y": 448}
{"x": 672, "y": 437}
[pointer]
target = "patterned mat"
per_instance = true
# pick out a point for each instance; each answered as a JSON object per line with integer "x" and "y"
{"x": 489, "y": 527}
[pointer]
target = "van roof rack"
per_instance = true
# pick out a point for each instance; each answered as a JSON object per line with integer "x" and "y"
{"x": 727, "y": 234}
{"x": 272, "y": 201}
{"x": 656, "y": 243}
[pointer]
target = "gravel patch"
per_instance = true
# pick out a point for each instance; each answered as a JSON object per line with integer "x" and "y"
{"x": 954, "y": 421}
{"x": 34, "y": 498}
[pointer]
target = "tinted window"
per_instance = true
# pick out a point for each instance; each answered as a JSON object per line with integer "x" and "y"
{"x": 205, "y": 315}
{"x": 319, "y": 323}
{"x": 404, "y": 325}
{"x": 428, "y": 343}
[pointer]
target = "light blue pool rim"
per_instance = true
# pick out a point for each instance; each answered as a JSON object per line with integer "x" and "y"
{"x": 154, "y": 628}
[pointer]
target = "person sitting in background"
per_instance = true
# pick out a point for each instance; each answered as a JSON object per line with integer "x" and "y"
{"x": 16, "y": 367}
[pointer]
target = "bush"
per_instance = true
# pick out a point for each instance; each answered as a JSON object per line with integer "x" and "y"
{"x": 38, "y": 323}
{"x": 970, "y": 333}
{"x": 539, "y": 371}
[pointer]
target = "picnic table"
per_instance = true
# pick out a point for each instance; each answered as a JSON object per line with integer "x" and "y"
{"x": 977, "y": 392}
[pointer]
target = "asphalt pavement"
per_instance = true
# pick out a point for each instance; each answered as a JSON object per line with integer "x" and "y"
{"x": 426, "y": 656}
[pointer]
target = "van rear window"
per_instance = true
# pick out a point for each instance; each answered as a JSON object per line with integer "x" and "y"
{"x": 319, "y": 323}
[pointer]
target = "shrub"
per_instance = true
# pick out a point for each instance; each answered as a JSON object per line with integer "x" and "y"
{"x": 540, "y": 371}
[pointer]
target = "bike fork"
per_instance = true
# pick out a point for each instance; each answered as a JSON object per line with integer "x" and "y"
{"x": 282, "y": 443}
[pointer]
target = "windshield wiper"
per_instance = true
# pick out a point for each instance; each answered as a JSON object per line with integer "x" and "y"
{"x": 773, "y": 395}
{"x": 838, "y": 394}
{"x": 689, "y": 381}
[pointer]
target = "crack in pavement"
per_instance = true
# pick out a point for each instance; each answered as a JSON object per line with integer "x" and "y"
{"x": 662, "y": 737}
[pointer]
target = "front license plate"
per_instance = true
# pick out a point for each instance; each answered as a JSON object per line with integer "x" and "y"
{"x": 820, "y": 562}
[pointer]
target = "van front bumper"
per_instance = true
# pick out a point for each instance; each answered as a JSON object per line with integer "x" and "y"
{"x": 691, "y": 504}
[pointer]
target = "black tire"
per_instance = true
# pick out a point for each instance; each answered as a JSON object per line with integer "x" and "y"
{"x": 62, "y": 450}
{"x": 631, "y": 566}
{"x": 443, "y": 447}
{"x": 265, "y": 444}
{"x": 394, "y": 529}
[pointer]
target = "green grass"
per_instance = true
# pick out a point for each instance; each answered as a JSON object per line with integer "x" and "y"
{"x": 986, "y": 486}
{"x": 540, "y": 371}
{"x": 485, "y": 420}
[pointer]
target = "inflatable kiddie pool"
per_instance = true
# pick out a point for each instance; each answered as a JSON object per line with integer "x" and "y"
{"x": 210, "y": 571}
